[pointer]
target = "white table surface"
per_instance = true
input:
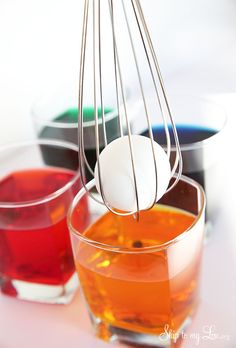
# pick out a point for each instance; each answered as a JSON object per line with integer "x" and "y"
{"x": 31, "y": 59}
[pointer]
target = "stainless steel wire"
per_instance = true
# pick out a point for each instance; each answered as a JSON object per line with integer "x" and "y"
{"x": 93, "y": 7}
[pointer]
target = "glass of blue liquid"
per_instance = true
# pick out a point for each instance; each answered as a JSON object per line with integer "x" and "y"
{"x": 201, "y": 127}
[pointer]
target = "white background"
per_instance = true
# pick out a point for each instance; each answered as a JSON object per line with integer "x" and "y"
{"x": 39, "y": 50}
{"x": 40, "y": 41}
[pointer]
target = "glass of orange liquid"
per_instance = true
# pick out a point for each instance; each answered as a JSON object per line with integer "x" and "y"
{"x": 141, "y": 279}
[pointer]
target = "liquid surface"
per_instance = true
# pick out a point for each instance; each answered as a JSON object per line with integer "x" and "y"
{"x": 141, "y": 292}
{"x": 34, "y": 241}
{"x": 187, "y": 134}
{"x": 71, "y": 115}
{"x": 29, "y": 185}
{"x": 155, "y": 227}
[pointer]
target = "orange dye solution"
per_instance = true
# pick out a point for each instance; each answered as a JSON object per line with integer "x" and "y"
{"x": 138, "y": 289}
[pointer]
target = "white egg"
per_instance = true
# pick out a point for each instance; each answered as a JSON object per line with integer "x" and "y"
{"x": 117, "y": 174}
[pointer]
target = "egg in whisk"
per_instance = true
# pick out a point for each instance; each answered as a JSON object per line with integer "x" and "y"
{"x": 117, "y": 178}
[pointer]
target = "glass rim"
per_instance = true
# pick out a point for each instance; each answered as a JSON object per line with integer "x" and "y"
{"x": 202, "y": 143}
{"x": 53, "y": 195}
{"x": 147, "y": 249}
{"x": 70, "y": 125}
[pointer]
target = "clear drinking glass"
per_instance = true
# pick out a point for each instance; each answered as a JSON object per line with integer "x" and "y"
{"x": 36, "y": 261}
{"x": 201, "y": 126}
{"x": 55, "y": 116}
{"x": 139, "y": 282}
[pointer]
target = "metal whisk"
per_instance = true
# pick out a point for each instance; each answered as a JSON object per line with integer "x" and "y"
{"x": 105, "y": 17}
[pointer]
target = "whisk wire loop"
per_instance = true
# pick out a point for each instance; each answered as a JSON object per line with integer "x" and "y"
{"x": 122, "y": 111}
{"x": 178, "y": 157}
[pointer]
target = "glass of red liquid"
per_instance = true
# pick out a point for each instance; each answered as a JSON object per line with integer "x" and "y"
{"x": 35, "y": 252}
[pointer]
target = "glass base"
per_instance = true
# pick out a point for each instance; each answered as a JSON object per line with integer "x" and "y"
{"x": 166, "y": 340}
{"x": 60, "y": 294}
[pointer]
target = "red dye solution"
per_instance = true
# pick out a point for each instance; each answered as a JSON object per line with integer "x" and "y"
{"x": 34, "y": 240}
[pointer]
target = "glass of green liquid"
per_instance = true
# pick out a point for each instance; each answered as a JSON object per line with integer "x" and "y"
{"x": 56, "y": 117}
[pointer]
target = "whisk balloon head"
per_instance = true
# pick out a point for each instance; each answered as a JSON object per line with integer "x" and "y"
{"x": 116, "y": 52}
